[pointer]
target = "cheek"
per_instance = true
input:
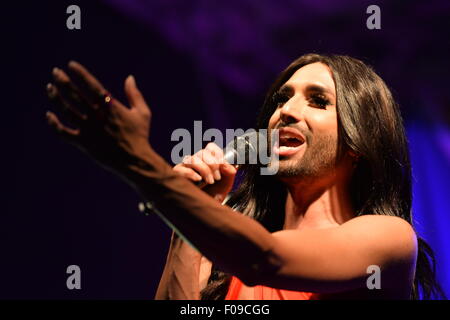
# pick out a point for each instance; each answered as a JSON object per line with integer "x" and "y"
{"x": 274, "y": 118}
{"x": 323, "y": 123}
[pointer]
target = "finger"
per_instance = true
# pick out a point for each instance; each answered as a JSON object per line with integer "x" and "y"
{"x": 68, "y": 89}
{"x": 66, "y": 133}
{"x": 95, "y": 89}
{"x": 96, "y": 92}
{"x": 203, "y": 156}
{"x": 219, "y": 191}
{"x": 216, "y": 151}
{"x": 211, "y": 161}
{"x": 227, "y": 169}
{"x": 228, "y": 174}
{"x": 134, "y": 95}
{"x": 73, "y": 115}
{"x": 187, "y": 173}
{"x": 195, "y": 162}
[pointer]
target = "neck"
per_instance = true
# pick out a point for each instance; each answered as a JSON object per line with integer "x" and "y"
{"x": 317, "y": 206}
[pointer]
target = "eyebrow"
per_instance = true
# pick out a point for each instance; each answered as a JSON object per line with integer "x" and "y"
{"x": 289, "y": 89}
{"x": 319, "y": 89}
{"x": 286, "y": 89}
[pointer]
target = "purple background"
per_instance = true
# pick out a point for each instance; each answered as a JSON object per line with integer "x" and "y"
{"x": 194, "y": 60}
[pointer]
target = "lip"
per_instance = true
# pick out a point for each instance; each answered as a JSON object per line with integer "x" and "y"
{"x": 287, "y": 151}
{"x": 281, "y": 151}
{"x": 292, "y": 132}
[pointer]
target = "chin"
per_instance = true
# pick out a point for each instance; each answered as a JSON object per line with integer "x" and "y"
{"x": 289, "y": 170}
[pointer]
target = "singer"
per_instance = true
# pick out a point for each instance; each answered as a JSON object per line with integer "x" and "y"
{"x": 339, "y": 204}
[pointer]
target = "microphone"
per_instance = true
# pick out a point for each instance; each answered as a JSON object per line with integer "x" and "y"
{"x": 241, "y": 150}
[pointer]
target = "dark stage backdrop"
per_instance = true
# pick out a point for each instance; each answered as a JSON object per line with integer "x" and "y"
{"x": 194, "y": 60}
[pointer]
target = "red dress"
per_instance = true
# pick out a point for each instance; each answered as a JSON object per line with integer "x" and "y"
{"x": 267, "y": 293}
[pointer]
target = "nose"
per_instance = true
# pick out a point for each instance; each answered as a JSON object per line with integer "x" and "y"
{"x": 291, "y": 112}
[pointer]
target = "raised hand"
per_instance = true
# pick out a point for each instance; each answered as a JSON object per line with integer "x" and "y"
{"x": 100, "y": 125}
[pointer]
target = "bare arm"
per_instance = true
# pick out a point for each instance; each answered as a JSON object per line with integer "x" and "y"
{"x": 218, "y": 232}
{"x": 324, "y": 260}
{"x": 186, "y": 271}
{"x": 337, "y": 259}
{"x": 181, "y": 275}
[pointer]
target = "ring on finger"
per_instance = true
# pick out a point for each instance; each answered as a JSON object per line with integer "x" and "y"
{"x": 107, "y": 98}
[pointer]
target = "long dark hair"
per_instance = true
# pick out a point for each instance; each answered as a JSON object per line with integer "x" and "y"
{"x": 370, "y": 124}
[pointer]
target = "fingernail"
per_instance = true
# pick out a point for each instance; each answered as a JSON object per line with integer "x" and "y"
{"x": 48, "y": 117}
{"x": 210, "y": 179}
{"x": 50, "y": 91}
{"x": 217, "y": 174}
{"x": 55, "y": 71}
{"x": 133, "y": 80}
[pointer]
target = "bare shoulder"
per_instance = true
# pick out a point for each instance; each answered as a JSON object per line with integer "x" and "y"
{"x": 394, "y": 236}
{"x": 381, "y": 223}
{"x": 336, "y": 259}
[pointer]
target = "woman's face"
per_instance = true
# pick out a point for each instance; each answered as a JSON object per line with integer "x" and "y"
{"x": 307, "y": 118}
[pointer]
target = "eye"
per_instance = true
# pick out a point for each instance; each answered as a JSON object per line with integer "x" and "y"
{"x": 319, "y": 100}
{"x": 279, "y": 99}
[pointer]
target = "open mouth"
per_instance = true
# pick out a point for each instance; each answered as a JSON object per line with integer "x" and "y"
{"x": 290, "y": 142}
